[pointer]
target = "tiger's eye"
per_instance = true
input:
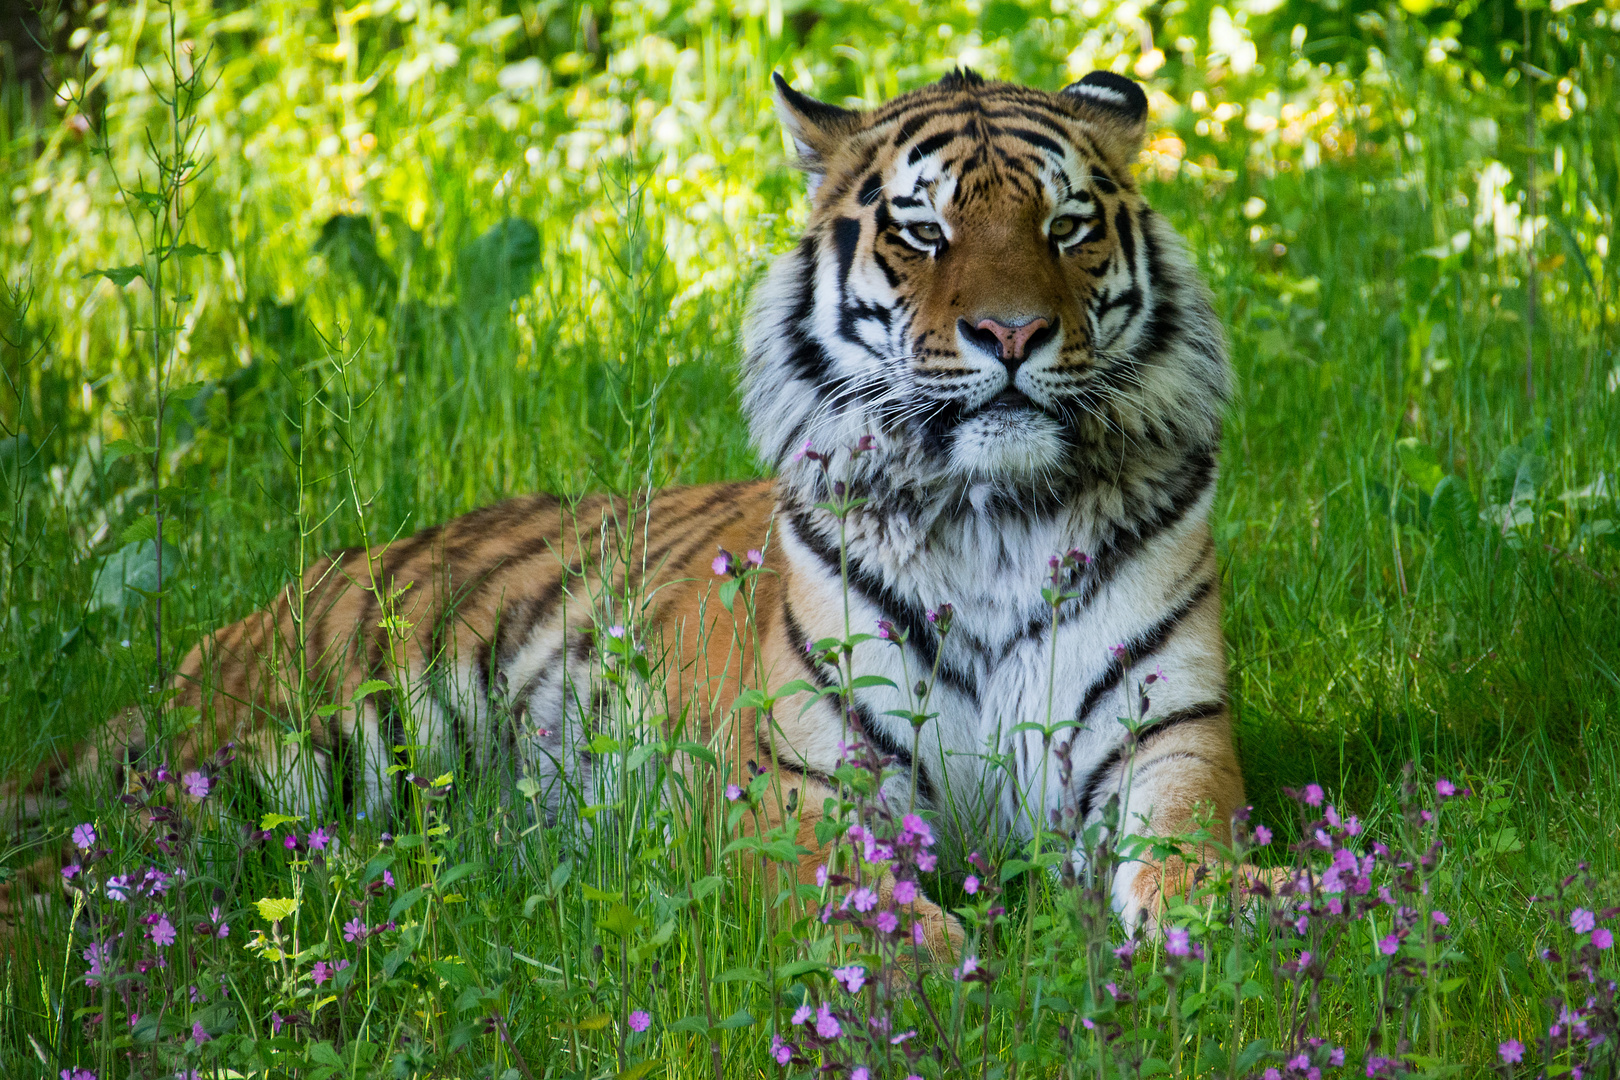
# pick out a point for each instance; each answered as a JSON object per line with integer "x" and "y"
{"x": 927, "y": 232}
{"x": 1064, "y": 226}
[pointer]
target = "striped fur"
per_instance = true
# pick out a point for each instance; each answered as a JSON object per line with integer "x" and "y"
{"x": 960, "y": 202}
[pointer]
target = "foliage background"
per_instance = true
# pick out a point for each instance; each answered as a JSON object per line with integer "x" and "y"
{"x": 529, "y": 228}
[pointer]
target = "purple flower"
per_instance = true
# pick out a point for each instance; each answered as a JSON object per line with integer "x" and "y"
{"x": 905, "y": 892}
{"x": 806, "y": 451}
{"x": 827, "y": 1024}
{"x": 320, "y": 838}
{"x": 927, "y": 861}
{"x": 84, "y": 836}
{"x": 118, "y": 887}
{"x": 388, "y": 879}
{"x": 615, "y": 631}
{"x": 917, "y": 934}
{"x": 78, "y": 1074}
{"x": 1118, "y": 652}
{"x": 70, "y": 871}
{"x": 821, "y": 876}
{"x": 802, "y": 1013}
{"x": 163, "y": 933}
{"x": 1512, "y": 1051}
{"x": 1262, "y": 835}
{"x": 276, "y": 1020}
{"x": 860, "y": 1072}
{"x": 722, "y": 564}
{"x": 196, "y": 784}
{"x": 1440, "y": 918}
{"x": 354, "y": 930}
{"x": 733, "y": 792}
{"x": 969, "y": 965}
{"x": 851, "y": 978}
{"x": 640, "y": 1020}
{"x": 1176, "y": 941}
{"x": 1127, "y": 950}
{"x": 198, "y": 1035}
{"x": 781, "y": 1051}
{"x": 864, "y": 900}
{"x": 1313, "y": 794}
{"x": 970, "y": 885}
{"x": 1336, "y": 1056}
{"x": 1271, "y": 1074}
{"x": 885, "y": 629}
{"x": 754, "y": 558}
{"x": 1602, "y": 938}
{"x": 1581, "y": 921}
{"x": 1444, "y": 788}
{"x": 324, "y": 971}
{"x": 1389, "y": 945}
{"x": 887, "y": 922}
{"x": 290, "y": 841}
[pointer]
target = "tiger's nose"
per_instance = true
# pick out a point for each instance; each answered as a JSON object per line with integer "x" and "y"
{"x": 1012, "y": 343}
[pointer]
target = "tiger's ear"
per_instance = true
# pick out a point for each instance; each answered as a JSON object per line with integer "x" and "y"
{"x": 818, "y": 129}
{"x": 1117, "y": 106}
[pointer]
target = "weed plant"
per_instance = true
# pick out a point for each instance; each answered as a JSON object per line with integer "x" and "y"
{"x": 283, "y": 278}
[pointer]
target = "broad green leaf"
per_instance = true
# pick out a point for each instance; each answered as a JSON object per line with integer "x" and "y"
{"x": 118, "y": 275}
{"x": 1419, "y": 462}
{"x": 276, "y": 821}
{"x": 271, "y": 910}
{"x": 740, "y": 1019}
{"x": 120, "y": 448}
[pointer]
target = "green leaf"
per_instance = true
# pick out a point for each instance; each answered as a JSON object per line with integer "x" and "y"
{"x": 741, "y": 974}
{"x": 453, "y": 972}
{"x": 1419, "y": 462}
{"x": 728, "y": 592}
{"x": 276, "y": 821}
{"x": 186, "y": 251}
{"x": 365, "y": 689}
{"x": 619, "y": 920}
{"x": 186, "y": 391}
{"x": 601, "y": 896}
{"x": 273, "y": 910}
{"x": 799, "y": 967}
{"x": 142, "y": 528}
{"x": 740, "y": 1019}
{"x": 118, "y": 275}
{"x": 456, "y": 873}
{"x": 861, "y": 682}
{"x": 704, "y": 886}
{"x": 697, "y": 1025}
{"x": 404, "y": 902}
{"x": 120, "y": 448}
{"x": 322, "y": 1053}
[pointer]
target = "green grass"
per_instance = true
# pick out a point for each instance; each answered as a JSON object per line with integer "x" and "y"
{"x": 420, "y": 359}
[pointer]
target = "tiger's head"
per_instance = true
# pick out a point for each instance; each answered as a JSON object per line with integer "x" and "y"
{"x": 982, "y": 288}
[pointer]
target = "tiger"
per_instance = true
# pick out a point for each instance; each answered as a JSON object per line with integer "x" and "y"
{"x": 987, "y": 334}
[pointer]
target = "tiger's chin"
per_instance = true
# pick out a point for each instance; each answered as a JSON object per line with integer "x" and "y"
{"x": 1007, "y": 445}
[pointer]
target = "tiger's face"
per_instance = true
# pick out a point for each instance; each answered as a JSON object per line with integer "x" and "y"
{"x": 979, "y": 279}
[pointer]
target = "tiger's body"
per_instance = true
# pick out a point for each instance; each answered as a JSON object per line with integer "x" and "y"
{"x": 981, "y": 290}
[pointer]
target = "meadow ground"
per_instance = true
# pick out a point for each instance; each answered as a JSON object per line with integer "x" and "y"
{"x": 448, "y": 253}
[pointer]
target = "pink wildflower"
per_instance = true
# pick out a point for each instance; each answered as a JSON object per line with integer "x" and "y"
{"x": 84, "y": 836}
{"x": 1602, "y": 938}
{"x": 1262, "y": 835}
{"x": 733, "y": 792}
{"x": 917, "y": 933}
{"x": 78, "y": 1074}
{"x": 802, "y": 1013}
{"x": 851, "y": 978}
{"x": 1313, "y": 794}
{"x": 1118, "y": 652}
{"x": 781, "y": 1051}
{"x": 1440, "y": 918}
{"x": 388, "y": 879}
{"x": 163, "y": 933}
{"x": 640, "y": 1020}
{"x": 821, "y": 876}
{"x": 755, "y": 558}
{"x": 320, "y": 838}
{"x": 905, "y": 892}
{"x": 198, "y": 1035}
{"x": 1389, "y": 945}
{"x": 864, "y": 900}
{"x": 70, "y": 871}
{"x": 1444, "y": 788}
{"x": 722, "y": 564}
{"x": 290, "y": 841}
{"x": 971, "y": 885}
{"x": 354, "y": 930}
{"x": 1512, "y": 1051}
{"x": 196, "y": 784}
{"x": 1581, "y": 921}
{"x": 276, "y": 1020}
{"x": 969, "y": 966}
{"x": 827, "y": 1025}
{"x": 887, "y": 922}
{"x": 1176, "y": 941}
{"x": 860, "y": 1072}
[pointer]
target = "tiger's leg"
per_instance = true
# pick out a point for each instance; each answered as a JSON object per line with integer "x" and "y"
{"x": 1163, "y": 787}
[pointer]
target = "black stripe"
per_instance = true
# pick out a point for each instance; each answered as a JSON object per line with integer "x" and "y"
{"x": 929, "y": 145}
{"x": 1034, "y": 138}
{"x": 909, "y": 616}
{"x": 1138, "y": 649}
{"x": 1094, "y": 779}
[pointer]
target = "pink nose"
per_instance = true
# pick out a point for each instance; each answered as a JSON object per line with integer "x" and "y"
{"x": 1014, "y": 339}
